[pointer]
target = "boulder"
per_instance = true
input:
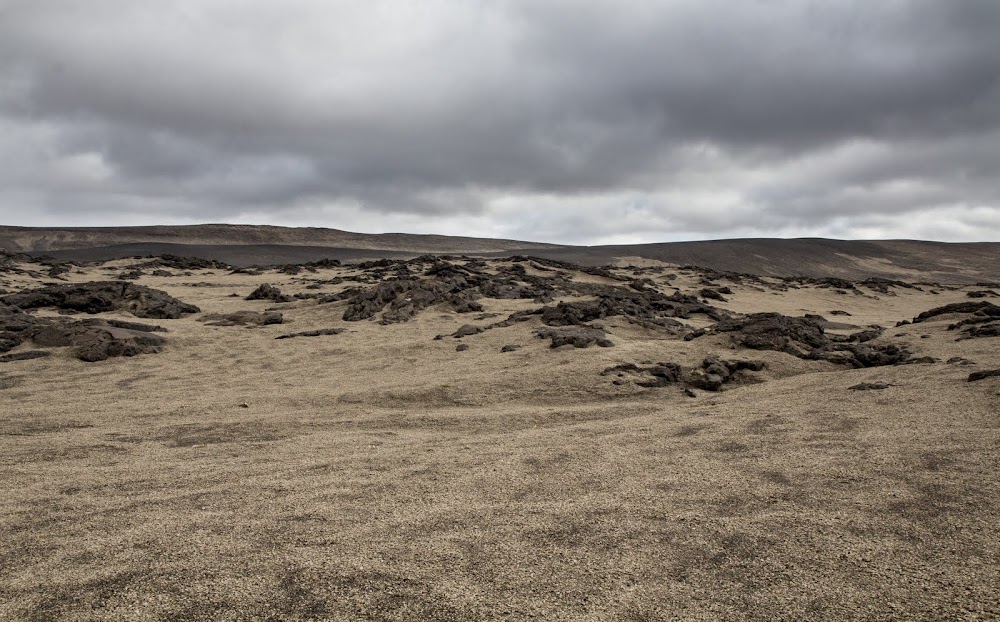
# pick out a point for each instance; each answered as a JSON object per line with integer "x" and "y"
{"x": 466, "y": 330}
{"x": 268, "y": 292}
{"x": 980, "y": 375}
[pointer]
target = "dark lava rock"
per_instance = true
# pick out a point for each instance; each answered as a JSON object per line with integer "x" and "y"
{"x": 620, "y": 369}
{"x": 142, "y": 328}
{"x": 773, "y": 331}
{"x": 102, "y": 296}
{"x": 510, "y": 348}
{"x": 649, "y": 308}
{"x": 982, "y": 294}
{"x": 861, "y": 355}
{"x": 268, "y": 292}
{"x": 242, "y": 318}
{"x": 576, "y": 336}
{"x": 312, "y": 333}
{"x": 96, "y": 341}
{"x": 870, "y": 386}
{"x": 958, "y": 360}
{"x": 803, "y": 337}
{"x": 406, "y": 297}
{"x": 980, "y": 375}
{"x": 131, "y": 275}
{"x": 983, "y": 318}
{"x": 981, "y": 308}
{"x": 711, "y": 375}
{"x": 378, "y": 263}
{"x": 984, "y": 330}
{"x": 96, "y": 344}
{"x": 185, "y": 263}
{"x": 462, "y": 347}
{"x": 24, "y": 356}
{"x": 828, "y": 282}
{"x": 863, "y": 336}
{"x": 466, "y": 330}
{"x": 643, "y": 284}
{"x": 712, "y": 294}
{"x": 839, "y": 312}
{"x": 460, "y": 286}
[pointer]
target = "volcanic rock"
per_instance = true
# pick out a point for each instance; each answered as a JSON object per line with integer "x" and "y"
{"x": 102, "y": 296}
{"x": 576, "y": 336}
{"x": 24, "y": 356}
{"x": 711, "y": 375}
{"x": 466, "y": 330}
{"x": 803, "y": 337}
{"x": 312, "y": 333}
{"x": 981, "y": 308}
{"x": 988, "y": 330}
{"x": 980, "y": 375}
{"x": 185, "y": 263}
{"x": 870, "y": 386}
{"x": 268, "y": 292}
{"x": 242, "y": 318}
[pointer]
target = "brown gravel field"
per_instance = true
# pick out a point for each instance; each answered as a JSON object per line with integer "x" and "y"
{"x": 379, "y": 473}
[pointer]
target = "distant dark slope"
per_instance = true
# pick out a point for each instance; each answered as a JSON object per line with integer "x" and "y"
{"x": 852, "y": 259}
{"x": 29, "y": 239}
{"x": 244, "y": 245}
{"x": 242, "y": 255}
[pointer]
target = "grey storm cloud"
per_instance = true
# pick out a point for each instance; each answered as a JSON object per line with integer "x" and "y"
{"x": 583, "y": 121}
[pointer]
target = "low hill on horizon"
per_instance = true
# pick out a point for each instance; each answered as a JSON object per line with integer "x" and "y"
{"x": 245, "y": 245}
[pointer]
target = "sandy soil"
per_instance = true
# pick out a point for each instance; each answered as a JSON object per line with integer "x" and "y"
{"x": 378, "y": 474}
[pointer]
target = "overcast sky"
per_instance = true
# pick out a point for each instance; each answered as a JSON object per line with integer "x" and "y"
{"x": 579, "y": 121}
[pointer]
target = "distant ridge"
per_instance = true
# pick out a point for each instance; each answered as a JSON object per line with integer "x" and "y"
{"x": 243, "y": 245}
{"x": 31, "y": 239}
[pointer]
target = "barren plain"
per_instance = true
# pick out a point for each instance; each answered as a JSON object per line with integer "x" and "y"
{"x": 501, "y": 439}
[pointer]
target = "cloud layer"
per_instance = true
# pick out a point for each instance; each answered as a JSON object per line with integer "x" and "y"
{"x": 554, "y": 120}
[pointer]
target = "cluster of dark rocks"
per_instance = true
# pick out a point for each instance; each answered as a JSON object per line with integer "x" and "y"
{"x": 402, "y": 299}
{"x": 184, "y": 264}
{"x": 711, "y": 375}
{"x": 268, "y": 292}
{"x": 100, "y": 297}
{"x": 310, "y": 266}
{"x": 982, "y": 375}
{"x": 312, "y": 333}
{"x": 649, "y": 308}
{"x": 47, "y": 266}
{"x": 982, "y": 318}
{"x": 93, "y": 339}
{"x": 242, "y": 318}
{"x": 870, "y": 386}
{"x": 456, "y": 286}
{"x": 576, "y": 336}
{"x": 805, "y": 338}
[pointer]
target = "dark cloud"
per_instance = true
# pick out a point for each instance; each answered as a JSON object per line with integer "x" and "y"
{"x": 539, "y": 119}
